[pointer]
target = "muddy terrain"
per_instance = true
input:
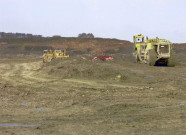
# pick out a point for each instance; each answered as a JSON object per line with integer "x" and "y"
{"x": 76, "y": 96}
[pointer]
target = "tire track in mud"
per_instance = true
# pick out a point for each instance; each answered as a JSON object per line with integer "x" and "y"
{"x": 102, "y": 84}
{"x": 18, "y": 73}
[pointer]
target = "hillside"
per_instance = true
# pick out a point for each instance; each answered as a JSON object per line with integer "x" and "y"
{"x": 34, "y": 46}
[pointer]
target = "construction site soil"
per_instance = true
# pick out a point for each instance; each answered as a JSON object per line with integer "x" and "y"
{"x": 76, "y": 96}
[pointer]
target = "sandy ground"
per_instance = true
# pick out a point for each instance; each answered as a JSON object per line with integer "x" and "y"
{"x": 78, "y": 97}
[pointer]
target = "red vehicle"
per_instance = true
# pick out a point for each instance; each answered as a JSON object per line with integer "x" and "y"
{"x": 102, "y": 57}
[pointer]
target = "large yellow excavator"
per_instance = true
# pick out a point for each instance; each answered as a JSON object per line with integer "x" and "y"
{"x": 49, "y": 55}
{"x": 153, "y": 51}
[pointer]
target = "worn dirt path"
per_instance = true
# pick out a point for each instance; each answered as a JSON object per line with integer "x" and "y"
{"x": 20, "y": 72}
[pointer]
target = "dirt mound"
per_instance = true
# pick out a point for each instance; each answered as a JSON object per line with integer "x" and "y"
{"x": 84, "y": 68}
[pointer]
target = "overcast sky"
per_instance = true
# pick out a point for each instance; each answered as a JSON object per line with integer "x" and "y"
{"x": 104, "y": 18}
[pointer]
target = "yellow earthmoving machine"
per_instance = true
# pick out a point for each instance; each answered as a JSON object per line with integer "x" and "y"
{"x": 153, "y": 51}
{"x": 49, "y": 55}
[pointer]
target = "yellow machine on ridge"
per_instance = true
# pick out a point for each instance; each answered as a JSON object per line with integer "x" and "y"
{"x": 48, "y": 55}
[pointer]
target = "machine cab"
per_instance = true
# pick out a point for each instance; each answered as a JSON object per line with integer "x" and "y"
{"x": 45, "y": 51}
{"x": 138, "y": 41}
{"x": 139, "y": 38}
{"x": 57, "y": 53}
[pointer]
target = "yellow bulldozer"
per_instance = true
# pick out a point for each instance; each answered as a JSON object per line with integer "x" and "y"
{"x": 49, "y": 55}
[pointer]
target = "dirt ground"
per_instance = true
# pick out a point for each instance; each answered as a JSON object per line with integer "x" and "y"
{"x": 76, "y": 96}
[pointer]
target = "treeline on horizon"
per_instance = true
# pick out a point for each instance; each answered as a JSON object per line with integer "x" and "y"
{"x": 24, "y": 35}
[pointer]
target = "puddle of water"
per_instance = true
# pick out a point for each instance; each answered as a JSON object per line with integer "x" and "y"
{"x": 79, "y": 124}
{"x": 17, "y": 125}
{"x": 181, "y": 105}
{"x": 137, "y": 71}
{"x": 184, "y": 79}
{"x": 39, "y": 109}
{"x": 48, "y": 121}
{"x": 24, "y": 104}
{"x": 120, "y": 120}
